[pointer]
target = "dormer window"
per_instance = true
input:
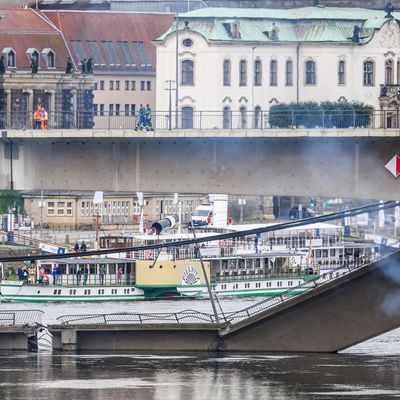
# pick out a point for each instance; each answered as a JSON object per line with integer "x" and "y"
{"x": 11, "y": 57}
{"x": 233, "y": 28}
{"x": 32, "y": 53}
{"x": 49, "y": 57}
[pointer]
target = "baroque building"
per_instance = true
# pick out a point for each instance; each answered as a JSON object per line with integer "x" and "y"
{"x": 27, "y": 38}
{"x": 245, "y": 60}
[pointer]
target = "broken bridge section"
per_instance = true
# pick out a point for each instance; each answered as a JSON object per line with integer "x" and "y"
{"x": 334, "y": 315}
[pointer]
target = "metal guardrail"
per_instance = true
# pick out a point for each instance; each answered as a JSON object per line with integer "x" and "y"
{"x": 20, "y": 317}
{"x": 183, "y": 317}
{"x": 209, "y": 120}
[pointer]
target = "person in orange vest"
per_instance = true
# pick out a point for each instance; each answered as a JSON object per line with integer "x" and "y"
{"x": 44, "y": 118}
{"x": 37, "y": 118}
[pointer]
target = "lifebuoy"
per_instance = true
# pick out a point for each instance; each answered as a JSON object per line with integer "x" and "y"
{"x": 148, "y": 254}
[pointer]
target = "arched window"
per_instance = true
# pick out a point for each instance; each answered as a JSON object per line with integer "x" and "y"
{"x": 311, "y": 78}
{"x": 227, "y": 119}
{"x": 227, "y": 73}
{"x": 273, "y": 73}
{"x": 187, "y": 118}
{"x": 289, "y": 73}
{"x": 11, "y": 59}
{"x": 51, "y": 59}
{"x": 257, "y": 73}
{"x": 369, "y": 73}
{"x": 389, "y": 72}
{"x": 257, "y": 117}
{"x": 341, "y": 73}
{"x": 243, "y": 73}
{"x": 187, "y": 73}
{"x": 243, "y": 117}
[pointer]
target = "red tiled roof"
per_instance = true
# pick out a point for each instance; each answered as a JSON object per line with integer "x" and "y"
{"x": 22, "y": 29}
{"x": 98, "y": 27}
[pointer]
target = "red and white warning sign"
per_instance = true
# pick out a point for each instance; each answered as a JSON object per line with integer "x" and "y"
{"x": 394, "y": 166}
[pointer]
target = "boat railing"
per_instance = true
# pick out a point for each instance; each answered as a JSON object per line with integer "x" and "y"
{"x": 182, "y": 317}
{"x": 20, "y": 317}
{"x": 329, "y": 276}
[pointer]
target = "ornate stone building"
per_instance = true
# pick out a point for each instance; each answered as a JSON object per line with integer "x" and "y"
{"x": 239, "y": 62}
{"x": 33, "y": 73}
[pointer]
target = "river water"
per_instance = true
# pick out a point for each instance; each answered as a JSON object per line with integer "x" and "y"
{"x": 370, "y": 370}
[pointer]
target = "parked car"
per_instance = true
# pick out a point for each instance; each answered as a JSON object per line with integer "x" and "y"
{"x": 307, "y": 213}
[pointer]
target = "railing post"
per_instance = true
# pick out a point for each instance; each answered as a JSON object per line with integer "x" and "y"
{"x": 109, "y": 120}
{"x": 292, "y": 113}
{"x": 201, "y": 116}
{"x": 323, "y": 119}
{"x": 354, "y": 118}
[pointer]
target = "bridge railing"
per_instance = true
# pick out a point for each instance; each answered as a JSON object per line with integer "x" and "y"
{"x": 205, "y": 120}
{"x": 20, "y": 317}
{"x": 183, "y": 317}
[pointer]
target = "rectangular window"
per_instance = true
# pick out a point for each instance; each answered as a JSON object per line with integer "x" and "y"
{"x": 101, "y": 85}
{"x": 341, "y": 73}
{"x": 69, "y": 208}
{"x": 368, "y": 73}
{"x": 133, "y": 109}
{"x": 289, "y": 73}
{"x": 310, "y": 73}
{"x": 101, "y": 109}
{"x": 126, "y": 109}
{"x": 111, "y": 109}
{"x": 95, "y": 109}
{"x": 111, "y": 83}
{"x": 126, "y": 85}
{"x": 142, "y": 83}
{"x": 148, "y": 83}
{"x": 133, "y": 85}
{"x": 50, "y": 208}
{"x": 95, "y": 86}
{"x": 117, "y": 109}
{"x": 117, "y": 85}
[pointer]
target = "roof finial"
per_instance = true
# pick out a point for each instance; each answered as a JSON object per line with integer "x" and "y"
{"x": 389, "y": 9}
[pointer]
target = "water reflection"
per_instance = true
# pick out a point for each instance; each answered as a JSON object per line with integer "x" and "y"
{"x": 194, "y": 376}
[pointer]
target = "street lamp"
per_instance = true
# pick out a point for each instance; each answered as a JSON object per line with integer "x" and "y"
{"x": 170, "y": 85}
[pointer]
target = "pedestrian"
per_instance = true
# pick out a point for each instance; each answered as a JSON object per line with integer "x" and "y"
{"x": 141, "y": 121}
{"x": 102, "y": 274}
{"x": 44, "y": 118}
{"x": 83, "y": 247}
{"x": 148, "y": 116}
{"x": 37, "y": 115}
{"x": 76, "y": 247}
{"x": 54, "y": 275}
{"x": 41, "y": 275}
{"x": 25, "y": 274}
{"x": 20, "y": 274}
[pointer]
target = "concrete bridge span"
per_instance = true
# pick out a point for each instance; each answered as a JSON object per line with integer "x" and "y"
{"x": 329, "y": 317}
{"x": 346, "y": 163}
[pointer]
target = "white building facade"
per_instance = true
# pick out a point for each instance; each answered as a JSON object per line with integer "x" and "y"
{"x": 235, "y": 63}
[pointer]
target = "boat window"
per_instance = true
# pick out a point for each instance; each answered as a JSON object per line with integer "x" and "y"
{"x": 55, "y": 292}
{"x": 332, "y": 252}
{"x": 112, "y": 269}
{"x": 325, "y": 253}
{"x": 59, "y": 292}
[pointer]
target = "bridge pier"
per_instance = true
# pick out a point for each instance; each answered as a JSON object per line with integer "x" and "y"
{"x": 19, "y": 338}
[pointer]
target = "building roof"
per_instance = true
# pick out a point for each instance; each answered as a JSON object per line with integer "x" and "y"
{"x": 308, "y": 24}
{"x": 23, "y": 29}
{"x": 116, "y": 41}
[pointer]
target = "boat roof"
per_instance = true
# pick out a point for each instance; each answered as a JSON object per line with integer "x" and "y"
{"x": 238, "y": 228}
{"x": 82, "y": 260}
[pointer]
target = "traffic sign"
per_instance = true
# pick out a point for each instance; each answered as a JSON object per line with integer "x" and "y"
{"x": 394, "y": 166}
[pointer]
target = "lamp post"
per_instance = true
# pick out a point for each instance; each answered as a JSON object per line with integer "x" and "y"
{"x": 169, "y": 85}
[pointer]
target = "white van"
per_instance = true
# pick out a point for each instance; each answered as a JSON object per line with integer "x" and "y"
{"x": 202, "y": 214}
